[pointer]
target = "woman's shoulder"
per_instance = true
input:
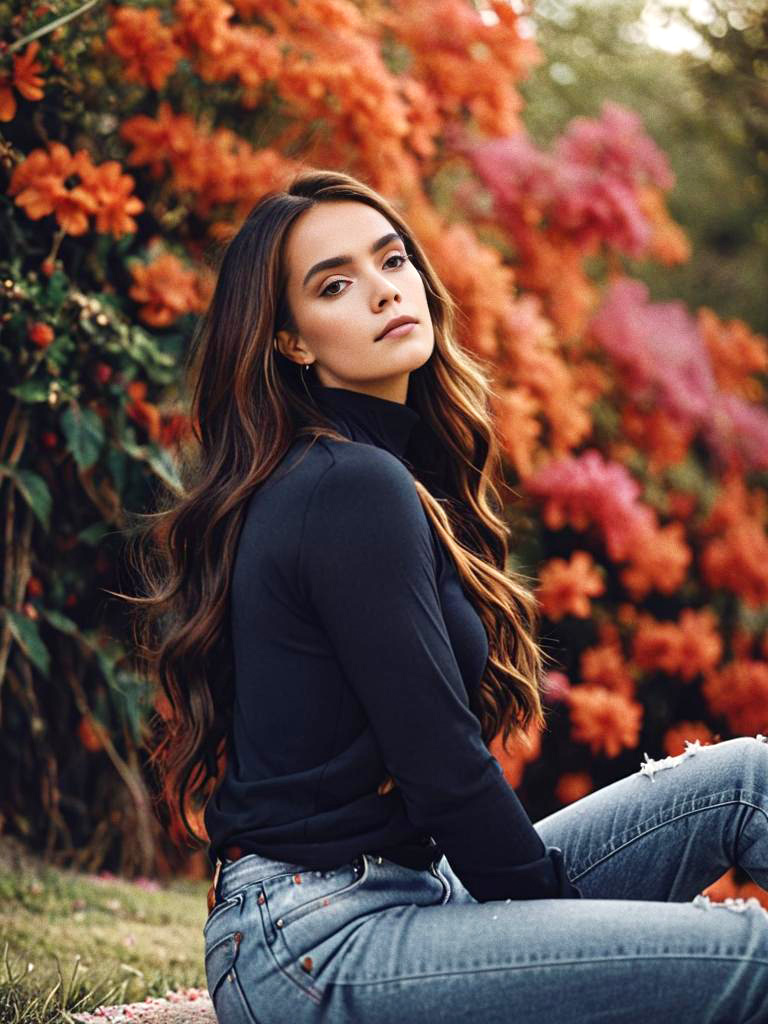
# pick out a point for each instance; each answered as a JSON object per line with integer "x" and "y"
{"x": 328, "y": 470}
{"x": 364, "y": 469}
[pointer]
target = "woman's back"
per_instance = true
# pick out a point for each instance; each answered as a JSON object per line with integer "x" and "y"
{"x": 335, "y": 550}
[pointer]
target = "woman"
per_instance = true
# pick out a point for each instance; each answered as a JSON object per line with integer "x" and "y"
{"x": 340, "y": 642}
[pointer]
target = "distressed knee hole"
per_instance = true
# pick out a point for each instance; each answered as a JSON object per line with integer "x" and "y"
{"x": 735, "y": 903}
{"x": 650, "y": 765}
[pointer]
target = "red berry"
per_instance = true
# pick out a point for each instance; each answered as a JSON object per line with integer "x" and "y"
{"x": 40, "y": 334}
{"x": 102, "y": 372}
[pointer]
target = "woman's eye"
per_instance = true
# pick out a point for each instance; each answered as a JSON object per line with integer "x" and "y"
{"x": 330, "y": 285}
{"x": 395, "y": 256}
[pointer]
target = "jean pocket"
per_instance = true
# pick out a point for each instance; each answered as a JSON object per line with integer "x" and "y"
{"x": 306, "y": 917}
{"x": 292, "y": 898}
{"x": 224, "y": 987}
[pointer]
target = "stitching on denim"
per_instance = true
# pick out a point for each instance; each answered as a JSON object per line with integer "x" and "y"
{"x": 545, "y": 963}
{"x": 742, "y": 797}
{"x": 695, "y": 810}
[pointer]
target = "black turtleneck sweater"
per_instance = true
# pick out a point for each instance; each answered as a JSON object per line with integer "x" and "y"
{"x": 356, "y": 652}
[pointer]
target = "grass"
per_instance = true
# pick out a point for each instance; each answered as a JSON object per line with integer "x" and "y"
{"x": 71, "y": 942}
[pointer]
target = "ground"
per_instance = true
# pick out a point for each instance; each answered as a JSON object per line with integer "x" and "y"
{"x": 73, "y": 942}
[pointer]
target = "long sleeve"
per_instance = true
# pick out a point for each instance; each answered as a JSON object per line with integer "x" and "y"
{"x": 367, "y": 563}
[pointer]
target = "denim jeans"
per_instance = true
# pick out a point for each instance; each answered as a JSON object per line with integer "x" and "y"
{"x": 372, "y": 942}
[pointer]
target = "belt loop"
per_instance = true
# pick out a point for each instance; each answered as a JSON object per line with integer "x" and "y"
{"x": 213, "y": 894}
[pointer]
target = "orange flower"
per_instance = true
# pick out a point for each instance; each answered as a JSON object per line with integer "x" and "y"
{"x": 656, "y": 645}
{"x": 739, "y": 692}
{"x": 142, "y": 412}
{"x": 676, "y": 735}
{"x": 204, "y": 24}
{"x": 519, "y": 429}
{"x": 517, "y": 756}
{"x": 658, "y": 559}
{"x": 146, "y": 45}
{"x": 669, "y": 244}
{"x": 111, "y": 189}
{"x": 686, "y": 648}
{"x": 217, "y": 167}
{"x": 736, "y": 354}
{"x": 607, "y": 721}
{"x": 738, "y": 561}
{"x": 167, "y": 288}
{"x": 25, "y": 77}
{"x": 39, "y": 184}
{"x": 605, "y": 666}
{"x": 665, "y": 439}
{"x": 566, "y": 587}
{"x": 572, "y": 786}
{"x": 701, "y": 646}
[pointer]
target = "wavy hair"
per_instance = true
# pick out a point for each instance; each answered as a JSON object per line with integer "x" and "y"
{"x": 248, "y": 404}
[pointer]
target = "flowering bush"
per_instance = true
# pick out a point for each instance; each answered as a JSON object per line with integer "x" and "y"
{"x": 135, "y": 138}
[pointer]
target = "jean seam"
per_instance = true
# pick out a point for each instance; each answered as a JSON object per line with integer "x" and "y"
{"x": 653, "y": 828}
{"x": 549, "y": 963}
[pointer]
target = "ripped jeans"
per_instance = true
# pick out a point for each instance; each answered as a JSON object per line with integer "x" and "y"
{"x": 371, "y": 942}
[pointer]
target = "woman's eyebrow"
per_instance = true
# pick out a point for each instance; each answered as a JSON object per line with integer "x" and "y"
{"x": 339, "y": 261}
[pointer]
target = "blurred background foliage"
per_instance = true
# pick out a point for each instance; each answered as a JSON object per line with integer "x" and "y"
{"x": 707, "y": 109}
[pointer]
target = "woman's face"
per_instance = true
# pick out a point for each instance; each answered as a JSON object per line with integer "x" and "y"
{"x": 340, "y": 310}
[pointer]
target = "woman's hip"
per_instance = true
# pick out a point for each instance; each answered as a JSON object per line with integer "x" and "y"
{"x": 372, "y": 942}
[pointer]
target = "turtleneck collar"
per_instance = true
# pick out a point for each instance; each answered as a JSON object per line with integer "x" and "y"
{"x": 368, "y": 418}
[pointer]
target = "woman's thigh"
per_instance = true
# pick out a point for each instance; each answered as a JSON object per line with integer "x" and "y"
{"x": 565, "y": 961}
{"x": 671, "y": 828}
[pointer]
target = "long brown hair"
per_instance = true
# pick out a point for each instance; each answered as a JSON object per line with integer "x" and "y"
{"x": 248, "y": 404}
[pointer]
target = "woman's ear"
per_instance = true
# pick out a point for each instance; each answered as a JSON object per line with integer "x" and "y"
{"x": 292, "y": 347}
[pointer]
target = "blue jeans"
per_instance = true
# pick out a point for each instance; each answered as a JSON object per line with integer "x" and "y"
{"x": 371, "y": 942}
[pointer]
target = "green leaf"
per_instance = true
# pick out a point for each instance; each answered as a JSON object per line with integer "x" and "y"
{"x": 61, "y": 622}
{"x": 159, "y": 460}
{"x": 31, "y": 391}
{"x": 117, "y": 461}
{"x": 130, "y": 697}
{"x": 92, "y": 534}
{"x": 36, "y": 494}
{"x": 27, "y": 636}
{"x": 84, "y": 432}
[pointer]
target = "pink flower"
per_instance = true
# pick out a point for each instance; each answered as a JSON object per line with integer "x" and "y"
{"x": 586, "y": 489}
{"x": 587, "y": 188}
{"x": 616, "y": 145}
{"x": 659, "y": 350}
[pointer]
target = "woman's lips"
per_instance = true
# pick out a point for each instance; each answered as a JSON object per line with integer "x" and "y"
{"x": 397, "y": 332}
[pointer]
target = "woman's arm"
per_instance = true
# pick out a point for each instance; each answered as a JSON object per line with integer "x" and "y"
{"x": 368, "y": 564}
